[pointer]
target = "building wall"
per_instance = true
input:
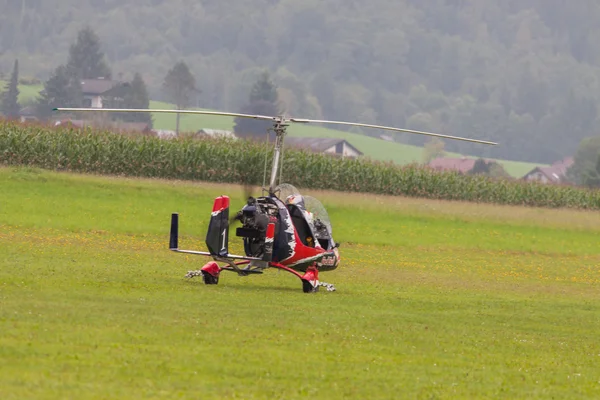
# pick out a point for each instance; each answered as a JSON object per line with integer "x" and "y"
{"x": 348, "y": 151}
{"x": 345, "y": 150}
{"x": 537, "y": 176}
{"x": 92, "y": 101}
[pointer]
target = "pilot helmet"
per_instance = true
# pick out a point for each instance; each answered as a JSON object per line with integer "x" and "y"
{"x": 295, "y": 199}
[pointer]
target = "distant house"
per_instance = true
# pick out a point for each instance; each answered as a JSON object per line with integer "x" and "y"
{"x": 164, "y": 133}
{"x": 96, "y": 91}
{"x": 28, "y": 114}
{"x": 216, "y": 133}
{"x": 462, "y": 165}
{"x": 324, "y": 145}
{"x": 555, "y": 173}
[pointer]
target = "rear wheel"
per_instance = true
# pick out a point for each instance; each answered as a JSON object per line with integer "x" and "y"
{"x": 209, "y": 279}
{"x": 307, "y": 287}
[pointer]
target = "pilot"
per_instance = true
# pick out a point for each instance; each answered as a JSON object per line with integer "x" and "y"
{"x": 298, "y": 200}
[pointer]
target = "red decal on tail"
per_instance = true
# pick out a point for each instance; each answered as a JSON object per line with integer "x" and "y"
{"x": 218, "y": 206}
{"x": 225, "y": 201}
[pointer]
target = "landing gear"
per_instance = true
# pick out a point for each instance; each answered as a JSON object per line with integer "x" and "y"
{"x": 211, "y": 271}
{"x": 209, "y": 279}
{"x": 310, "y": 280}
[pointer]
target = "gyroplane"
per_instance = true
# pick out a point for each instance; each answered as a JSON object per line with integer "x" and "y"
{"x": 281, "y": 229}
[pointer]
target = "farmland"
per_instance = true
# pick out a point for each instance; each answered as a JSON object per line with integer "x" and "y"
{"x": 230, "y": 161}
{"x": 435, "y": 299}
{"x": 374, "y": 148}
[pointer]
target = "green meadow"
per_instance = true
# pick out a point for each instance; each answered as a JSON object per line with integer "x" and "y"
{"x": 374, "y": 148}
{"x": 434, "y": 300}
{"x": 27, "y": 93}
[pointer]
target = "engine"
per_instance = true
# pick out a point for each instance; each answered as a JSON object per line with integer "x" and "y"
{"x": 255, "y": 216}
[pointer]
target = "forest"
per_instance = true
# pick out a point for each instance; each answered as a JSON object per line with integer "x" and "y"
{"x": 524, "y": 73}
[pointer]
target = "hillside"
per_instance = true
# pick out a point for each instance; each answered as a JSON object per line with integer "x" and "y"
{"x": 523, "y": 73}
{"x": 372, "y": 147}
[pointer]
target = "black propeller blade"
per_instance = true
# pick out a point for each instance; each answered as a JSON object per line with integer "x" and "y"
{"x": 248, "y": 195}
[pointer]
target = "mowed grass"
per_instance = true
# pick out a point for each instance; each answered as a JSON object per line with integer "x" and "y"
{"x": 434, "y": 300}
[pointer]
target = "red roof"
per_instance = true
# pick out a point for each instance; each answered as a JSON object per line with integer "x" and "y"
{"x": 555, "y": 172}
{"x": 463, "y": 165}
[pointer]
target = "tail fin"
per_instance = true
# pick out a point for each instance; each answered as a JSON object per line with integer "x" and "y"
{"x": 217, "y": 237}
{"x": 173, "y": 241}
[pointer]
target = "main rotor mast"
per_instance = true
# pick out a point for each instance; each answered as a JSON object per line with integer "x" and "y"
{"x": 279, "y": 127}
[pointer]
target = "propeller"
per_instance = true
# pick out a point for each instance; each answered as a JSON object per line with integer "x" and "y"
{"x": 248, "y": 191}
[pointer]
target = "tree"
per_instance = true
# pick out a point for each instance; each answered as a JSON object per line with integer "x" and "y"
{"x": 433, "y": 149}
{"x": 263, "y": 100}
{"x": 488, "y": 168}
{"x": 61, "y": 90}
{"x": 10, "y": 98}
{"x": 585, "y": 160}
{"x": 591, "y": 176}
{"x": 137, "y": 97}
{"x": 264, "y": 89}
{"x": 179, "y": 85}
{"x": 481, "y": 167}
{"x": 255, "y": 128}
{"x": 86, "y": 60}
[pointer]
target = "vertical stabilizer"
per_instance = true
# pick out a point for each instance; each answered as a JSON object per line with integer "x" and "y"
{"x": 217, "y": 237}
{"x": 173, "y": 240}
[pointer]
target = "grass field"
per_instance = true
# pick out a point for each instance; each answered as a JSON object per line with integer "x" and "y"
{"x": 27, "y": 93}
{"x": 433, "y": 300}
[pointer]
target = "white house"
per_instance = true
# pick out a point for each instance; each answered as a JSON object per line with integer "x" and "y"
{"x": 324, "y": 145}
{"x": 94, "y": 90}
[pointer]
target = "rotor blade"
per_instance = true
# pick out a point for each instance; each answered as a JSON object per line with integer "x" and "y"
{"x": 150, "y": 110}
{"x": 389, "y": 128}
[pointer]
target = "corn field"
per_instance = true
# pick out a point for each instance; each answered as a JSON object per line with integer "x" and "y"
{"x": 230, "y": 161}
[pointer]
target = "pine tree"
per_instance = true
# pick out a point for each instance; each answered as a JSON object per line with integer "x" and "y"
{"x": 137, "y": 97}
{"x": 86, "y": 60}
{"x": 10, "y": 98}
{"x": 433, "y": 149}
{"x": 61, "y": 90}
{"x": 263, "y": 100}
{"x": 179, "y": 86}
{"x": 264, "y": 89}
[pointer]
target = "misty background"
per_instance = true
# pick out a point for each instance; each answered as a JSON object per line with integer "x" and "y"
{"x": 524, "y": 73}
